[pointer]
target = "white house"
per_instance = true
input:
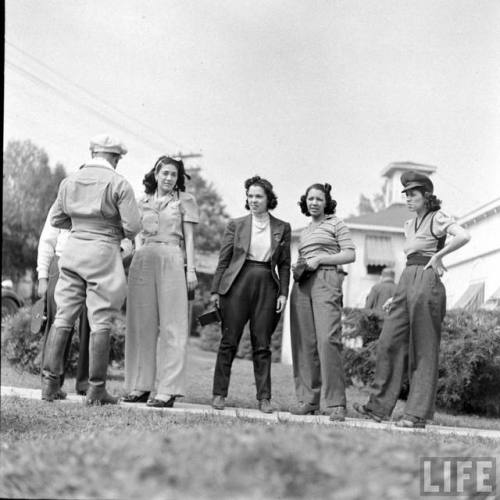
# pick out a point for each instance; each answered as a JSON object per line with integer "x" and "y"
{"x": 473, "y": 275}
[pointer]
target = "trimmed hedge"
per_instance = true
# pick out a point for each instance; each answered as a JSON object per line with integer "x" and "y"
{"x": 211, "y": 334}
{"x": 23, "y": 349}
{"x": 469, "y": 362}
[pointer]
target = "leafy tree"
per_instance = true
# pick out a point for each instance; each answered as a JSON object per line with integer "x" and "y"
{"x": 364, "y": 205}
{"x": 213, "y": 216}
{"x": 375, "y": 204}
{"x": 29, "y": 189}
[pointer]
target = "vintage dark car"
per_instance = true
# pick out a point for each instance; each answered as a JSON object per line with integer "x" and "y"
{"x": 11, "y": 302}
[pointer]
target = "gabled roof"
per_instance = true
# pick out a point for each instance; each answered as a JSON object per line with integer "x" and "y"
{"x": 391, "y": 217}
{"x": 479, "y": 213}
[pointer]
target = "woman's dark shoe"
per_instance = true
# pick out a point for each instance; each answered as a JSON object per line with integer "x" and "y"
{"x": 304, "y": 409}
{"x": 411, "y": 422}
{"x": 218, "y": 402}
{"x": 337, "y": 413}
{"x": 136, "y": 398}
{"x": 159, "y": 403}
{"x": 60, "y": 394}
{"x": 363, "y": 410}
{"x": 265, "y": 406}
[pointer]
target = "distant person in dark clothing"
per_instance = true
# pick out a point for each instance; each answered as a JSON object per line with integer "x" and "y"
{"x": 381, "y": 292}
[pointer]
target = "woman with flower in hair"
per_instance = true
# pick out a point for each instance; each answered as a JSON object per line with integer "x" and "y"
{"x": 409, "y": 342}
{"x": 316, "y": 306}
{"x": 251, "y": 284}
{"x": 158, "y": 285}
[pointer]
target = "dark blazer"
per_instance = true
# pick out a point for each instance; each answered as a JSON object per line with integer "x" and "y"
{"x": 234, "y": 251}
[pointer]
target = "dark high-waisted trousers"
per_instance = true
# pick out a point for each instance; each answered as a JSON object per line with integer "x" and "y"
{"x": 252, "y": 296}
{"x": 409, "y": 343}
{"x": 82, "y": 371}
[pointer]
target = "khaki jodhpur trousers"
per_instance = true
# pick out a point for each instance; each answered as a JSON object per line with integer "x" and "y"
{"x": 157, "y": 320}
{"x": 90, "y": 270}
{"x": 316, "y": 330}
{"x": 82, "y": 370}
{"x": 409, "y": 343}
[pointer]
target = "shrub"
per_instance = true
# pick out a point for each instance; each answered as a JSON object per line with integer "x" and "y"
{"x": 363, "y": 323}
{"x": 19, "y": 346}
{"x": 23, "y": 349}
{"x": 469, "y": 362}
{"x": 211, "y": 334}
{"x": 359, "y": 364}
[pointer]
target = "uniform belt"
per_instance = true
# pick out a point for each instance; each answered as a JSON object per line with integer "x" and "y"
{"x": 328, "y": 267}
{"x": 417, "y": 259}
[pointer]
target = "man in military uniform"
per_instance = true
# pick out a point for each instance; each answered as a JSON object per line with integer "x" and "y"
{"x": 99, "y": 206}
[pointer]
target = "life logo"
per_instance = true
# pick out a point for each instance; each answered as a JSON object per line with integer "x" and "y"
{"x": 458, "y": 476}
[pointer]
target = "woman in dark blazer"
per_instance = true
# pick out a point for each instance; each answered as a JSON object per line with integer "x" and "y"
{"x": 251, "y": 283}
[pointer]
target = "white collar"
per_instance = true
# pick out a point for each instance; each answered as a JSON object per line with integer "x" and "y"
{"x": 100, "y": 162}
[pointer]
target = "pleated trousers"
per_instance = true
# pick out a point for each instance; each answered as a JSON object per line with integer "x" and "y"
{"x": 316, "y": 338}
{"x": 409, "y": 343}
{"x": 157, "y": 321}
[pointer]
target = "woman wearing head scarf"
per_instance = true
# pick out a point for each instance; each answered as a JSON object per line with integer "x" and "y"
{"x": 316, "y": 306}
{"x": 158, "y": 284}
{"x": 251, "y": 284}
{"x": 409, "y": 342}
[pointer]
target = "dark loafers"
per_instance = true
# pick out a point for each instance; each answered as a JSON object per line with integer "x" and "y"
{"x": 337, "y": 413}
{"x": 265, "y": 406}
{"x": 218, "y": 402}
{"x": 159, "y": 403}
{"x": 136, "y": 398}
{"x": 363, "y": 410}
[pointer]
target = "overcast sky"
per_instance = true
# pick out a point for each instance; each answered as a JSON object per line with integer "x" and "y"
{"x": 296, "y": 91}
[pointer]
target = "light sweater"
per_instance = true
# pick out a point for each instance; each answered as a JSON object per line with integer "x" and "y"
{"x": 260, "y": 240}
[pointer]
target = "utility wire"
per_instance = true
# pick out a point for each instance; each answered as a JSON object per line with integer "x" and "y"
{"x": 64, "y": 95}
{"x": 91, "y": 94}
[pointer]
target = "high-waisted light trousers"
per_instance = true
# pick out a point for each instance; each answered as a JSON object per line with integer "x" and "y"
{"x": 157, "y": 320}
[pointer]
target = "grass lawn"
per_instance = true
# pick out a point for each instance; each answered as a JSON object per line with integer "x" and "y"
{"x": 73, "y": 451}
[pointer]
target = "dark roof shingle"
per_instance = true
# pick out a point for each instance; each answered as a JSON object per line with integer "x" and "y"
{"x": 393, "y": 216}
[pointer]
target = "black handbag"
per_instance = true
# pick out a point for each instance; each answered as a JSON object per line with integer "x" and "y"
{"x": 301, "y": 271}
{"x": 210, "y": 317}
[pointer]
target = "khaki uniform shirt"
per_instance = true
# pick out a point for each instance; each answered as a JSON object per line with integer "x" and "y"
{"x": 97, "y": 203}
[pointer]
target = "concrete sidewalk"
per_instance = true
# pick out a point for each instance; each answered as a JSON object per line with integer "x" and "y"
{"x": 276, "y": 417}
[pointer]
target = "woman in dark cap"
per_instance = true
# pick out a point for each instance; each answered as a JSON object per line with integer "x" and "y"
{"x": 409, "y": 342}
{"x": 316, "y": 306}
{"x": 251, "y": 284}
